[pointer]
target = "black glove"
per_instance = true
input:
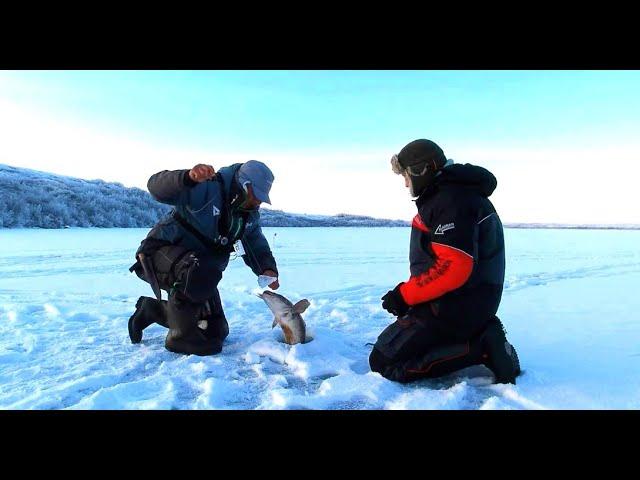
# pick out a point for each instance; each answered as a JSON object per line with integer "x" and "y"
{"x": 393, "y": 302}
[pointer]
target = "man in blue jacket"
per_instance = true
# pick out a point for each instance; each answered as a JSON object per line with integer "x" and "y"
{"x": 185, "y": 253}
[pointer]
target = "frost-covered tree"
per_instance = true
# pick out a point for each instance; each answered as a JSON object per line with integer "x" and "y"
{"x": 37, "y": 199}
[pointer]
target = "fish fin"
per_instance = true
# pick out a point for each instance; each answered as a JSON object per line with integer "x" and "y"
{"x": 275, "y": 322}
{"x": 301, "y": 306}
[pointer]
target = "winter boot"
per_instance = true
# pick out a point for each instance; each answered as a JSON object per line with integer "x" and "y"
{"x": 499, "y": 355}
{"x": 148, "y": 310}
{"x": 185, "y": 336}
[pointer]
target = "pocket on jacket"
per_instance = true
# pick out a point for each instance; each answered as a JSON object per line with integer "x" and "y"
{"x": 165, "y": 261}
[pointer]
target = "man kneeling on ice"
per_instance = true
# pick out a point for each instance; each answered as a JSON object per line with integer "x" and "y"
{"x": 446, "y": 311}
{"x": 187, "y": 251}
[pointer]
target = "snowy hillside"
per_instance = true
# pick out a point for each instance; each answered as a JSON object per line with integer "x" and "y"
{"x": 30, "y": 198}
{"x": 278, "y": 218}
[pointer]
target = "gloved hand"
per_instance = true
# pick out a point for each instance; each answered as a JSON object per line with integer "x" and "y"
{"x": 201, "y": 173}
{"x": 393, "y": 302}
{"x": 270, "y": 273}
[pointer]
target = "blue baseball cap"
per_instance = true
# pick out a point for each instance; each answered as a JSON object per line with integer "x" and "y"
{"x": 259, "y": 176}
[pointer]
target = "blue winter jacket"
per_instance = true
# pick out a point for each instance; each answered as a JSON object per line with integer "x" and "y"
{"x": 201, "y": 206}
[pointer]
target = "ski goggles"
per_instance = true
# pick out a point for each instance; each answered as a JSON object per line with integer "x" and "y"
{"x": 412, "y": 170}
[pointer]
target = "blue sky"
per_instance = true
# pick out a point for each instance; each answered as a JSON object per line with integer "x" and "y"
{"x": 551, "y": 137}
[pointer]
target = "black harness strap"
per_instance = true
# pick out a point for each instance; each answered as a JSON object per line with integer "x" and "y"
{"x": 224, "y": 211}
{"x": 212, "y": 246}
{"x": 223, "y": 244}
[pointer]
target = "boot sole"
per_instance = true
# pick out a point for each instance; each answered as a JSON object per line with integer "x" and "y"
{"x": 496, "y": 344}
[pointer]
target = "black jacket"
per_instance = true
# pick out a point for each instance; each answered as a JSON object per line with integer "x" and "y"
{"x": 457, "y": 248}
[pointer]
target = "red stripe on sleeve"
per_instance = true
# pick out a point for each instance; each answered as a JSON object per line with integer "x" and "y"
{"x": 451, "y": 270}
{"x": 419, "y": 224}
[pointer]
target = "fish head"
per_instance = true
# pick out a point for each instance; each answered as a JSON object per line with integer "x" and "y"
{"x": 277, "y": 303}
{"x": 282, "y": 308}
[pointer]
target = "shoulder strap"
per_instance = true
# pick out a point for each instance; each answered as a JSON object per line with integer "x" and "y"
{"x": 223, "y": 228}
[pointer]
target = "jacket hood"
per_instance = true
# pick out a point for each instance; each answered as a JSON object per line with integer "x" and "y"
{"x": 470, "y": 176}
{"x": 466, "y": 176}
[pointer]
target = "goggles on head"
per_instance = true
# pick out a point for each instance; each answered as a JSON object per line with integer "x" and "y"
{"x": 413, "y": 170}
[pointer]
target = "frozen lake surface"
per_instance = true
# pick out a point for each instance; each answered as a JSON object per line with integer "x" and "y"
{"x": 571, "y": 307}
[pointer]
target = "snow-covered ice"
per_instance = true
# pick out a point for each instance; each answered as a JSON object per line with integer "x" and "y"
{"x": 570, "y": 307}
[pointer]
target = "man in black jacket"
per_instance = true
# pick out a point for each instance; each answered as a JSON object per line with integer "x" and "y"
{"x": 185, "y": 254}
{"x": 446, "y": 311}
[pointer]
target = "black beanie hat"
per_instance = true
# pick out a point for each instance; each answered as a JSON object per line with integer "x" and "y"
{"x": 422, "y": 152}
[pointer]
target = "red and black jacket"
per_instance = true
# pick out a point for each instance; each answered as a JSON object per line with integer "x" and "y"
{"x": 457, "y": 247}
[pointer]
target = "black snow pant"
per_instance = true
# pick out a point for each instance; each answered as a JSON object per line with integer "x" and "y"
{"x": 422, "y": 345}
{"x": 194, "y": 314}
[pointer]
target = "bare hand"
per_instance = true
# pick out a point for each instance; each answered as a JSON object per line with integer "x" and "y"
{"x": 275, "y": 285}
{"x": 201, "y": 173}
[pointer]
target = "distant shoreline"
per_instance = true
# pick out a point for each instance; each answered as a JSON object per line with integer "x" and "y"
{"x": 539, "y": 226}
{"x": 506, "y": 226}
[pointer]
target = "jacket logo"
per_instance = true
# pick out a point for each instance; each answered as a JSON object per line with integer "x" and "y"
{"x": 443, "y": 228}
{"x": 216, "y": 211}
